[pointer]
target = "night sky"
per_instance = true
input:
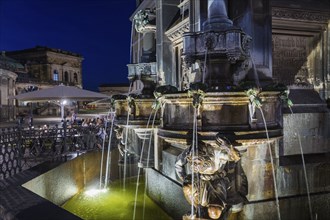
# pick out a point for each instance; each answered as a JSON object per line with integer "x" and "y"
{"x": 99, "y": 30}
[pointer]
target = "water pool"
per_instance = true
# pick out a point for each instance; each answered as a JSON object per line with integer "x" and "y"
{"x": 115, "y": 203}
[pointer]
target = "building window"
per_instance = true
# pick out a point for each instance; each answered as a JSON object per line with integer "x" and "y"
{"x": 66, "y": 76}
{"x": 55, "y": 75}
{"x": 75, "y": 77}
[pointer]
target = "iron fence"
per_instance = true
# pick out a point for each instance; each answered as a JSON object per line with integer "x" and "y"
{"x": 22, "y": 148}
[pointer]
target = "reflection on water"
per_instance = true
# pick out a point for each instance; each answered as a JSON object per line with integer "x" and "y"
{"x": 114, "y": 203}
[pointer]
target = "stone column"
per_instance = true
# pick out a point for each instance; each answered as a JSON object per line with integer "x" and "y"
{"x": 217, "y": 18}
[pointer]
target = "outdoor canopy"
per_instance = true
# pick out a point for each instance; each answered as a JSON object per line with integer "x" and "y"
{"x": 59, "y": 93}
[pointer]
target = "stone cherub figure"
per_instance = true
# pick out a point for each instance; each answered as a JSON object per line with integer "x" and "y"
{"x": 217, "y": 184}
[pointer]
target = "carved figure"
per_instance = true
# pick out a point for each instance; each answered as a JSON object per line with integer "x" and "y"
{"x": 119, "y": 136}
{"x": 128, "y": 151}
{"x": 142, "y": 20}
{"x": 217, "y": 183}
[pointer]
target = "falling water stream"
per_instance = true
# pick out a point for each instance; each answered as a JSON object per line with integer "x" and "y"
{"x": 102, "y": 155}
{"x": 148, "y": 159}
{"x": 108, "y": 163}
{"x": 272, "y": 162}
{"x": 103, "y": 149}
{"x": 141, "y": 157}
{"x": 305, "y": 173}
{"x": 126, "y": 139}
{"x": 125, "y": 151}
{"x": 193, "y": 152}
{"x": 306, "y": 179}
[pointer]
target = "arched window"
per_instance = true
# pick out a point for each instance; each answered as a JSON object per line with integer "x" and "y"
{"x": 75, "y": 77}
{"x": 55, "y": 75}
{"x": 66, "y": 76}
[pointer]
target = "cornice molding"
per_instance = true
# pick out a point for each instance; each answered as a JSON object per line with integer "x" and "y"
{"x": 298, "y": 14}
{"x": 176, "y": 32}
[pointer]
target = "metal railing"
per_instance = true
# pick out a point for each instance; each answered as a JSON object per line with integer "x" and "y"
{"x": 22, "y": 148}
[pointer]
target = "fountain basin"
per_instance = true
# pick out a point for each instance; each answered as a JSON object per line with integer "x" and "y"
{"x": 142, "y": 108}
{"x": 43, "y": 195}
{"x": 60, "y": 184}
{"x": 221, "y": 111}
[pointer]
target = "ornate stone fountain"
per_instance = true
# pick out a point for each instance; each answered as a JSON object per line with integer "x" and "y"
{"x": 218, "y": 144}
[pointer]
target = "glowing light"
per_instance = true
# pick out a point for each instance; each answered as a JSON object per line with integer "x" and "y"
{"x": 64, "y": 102}
{"x": 94, "y": 192}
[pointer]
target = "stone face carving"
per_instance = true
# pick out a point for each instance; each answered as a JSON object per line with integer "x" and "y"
{"x": 217, "y": 183}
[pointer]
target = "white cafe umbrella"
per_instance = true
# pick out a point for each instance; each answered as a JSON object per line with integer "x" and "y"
{"x": 59, "y": 93}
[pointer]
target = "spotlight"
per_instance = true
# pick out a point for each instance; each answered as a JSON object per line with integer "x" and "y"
{"x": 94, "y": 192}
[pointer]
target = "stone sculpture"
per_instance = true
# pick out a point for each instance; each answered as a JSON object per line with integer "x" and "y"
{"x": 217, "y": 184}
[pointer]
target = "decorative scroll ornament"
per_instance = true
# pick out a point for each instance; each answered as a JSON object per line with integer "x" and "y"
{"x": 144, "y": 69}
{"x": 142, "y": 21}
{"x": 210, "y": 40}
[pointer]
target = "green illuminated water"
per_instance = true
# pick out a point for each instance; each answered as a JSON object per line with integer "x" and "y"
{"x": 114, "y": 204}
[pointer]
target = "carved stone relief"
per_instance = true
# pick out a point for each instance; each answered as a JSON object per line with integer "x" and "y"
{"x": 290, "y": 54}
{"x": 142, "y": 20}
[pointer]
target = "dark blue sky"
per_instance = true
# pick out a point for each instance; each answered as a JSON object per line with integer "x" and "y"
{"x": 99, "y": 30}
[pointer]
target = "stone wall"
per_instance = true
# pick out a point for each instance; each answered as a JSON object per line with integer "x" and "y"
{"x": 60, "y": 184}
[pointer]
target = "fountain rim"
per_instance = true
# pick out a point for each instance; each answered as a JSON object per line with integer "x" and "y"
{"x": 209, "y": 94}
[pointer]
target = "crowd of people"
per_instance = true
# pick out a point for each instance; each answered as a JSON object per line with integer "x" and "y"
{"x": 99, "y": 123}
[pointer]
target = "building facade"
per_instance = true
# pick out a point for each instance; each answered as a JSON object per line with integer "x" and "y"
{"x": 8, "y": 75}
{"x": 47, "y": 66}
{"x": 40, "y": 68}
